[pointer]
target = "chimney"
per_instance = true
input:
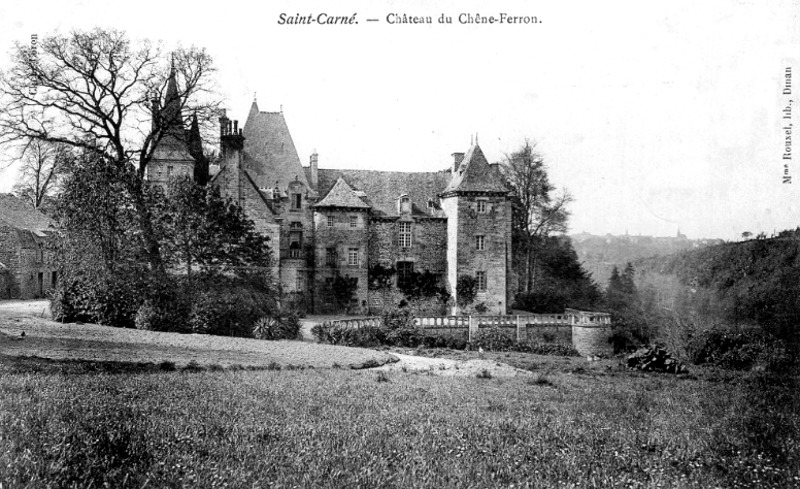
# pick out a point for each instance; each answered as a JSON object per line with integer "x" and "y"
{"x": 314, "y": 170}
{"x": 457, "y": 159}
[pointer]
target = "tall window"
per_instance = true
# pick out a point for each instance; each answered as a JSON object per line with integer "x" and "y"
{"x": 481, "y": 278}
{"x": 297, "y": 200}
{"x": 353, "y": 221}
{"x": 404, "y": 271}
{"x": 405, "y": 235}
{"x": 330, "y": 257}
{"x": 352, "y": 257}
{"x": 295, "y": 239}
{"x": 169, "y": 171}
{"x": 481, "y": 206}
{"x": 330, "y": 221}
{"x": 480, "y": 242}
{"x": 300, "y": 283}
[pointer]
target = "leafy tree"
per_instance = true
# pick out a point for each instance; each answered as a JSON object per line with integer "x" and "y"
{"x": 95, "y": 91}
{"x": 630, "y": 309}
{"x": 538, "y": 213}
{"x": 201, "y": 228}
{"x": 562, "y": 281}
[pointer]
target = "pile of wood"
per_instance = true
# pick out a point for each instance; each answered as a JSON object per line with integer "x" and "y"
{"x": 655, "y": 359}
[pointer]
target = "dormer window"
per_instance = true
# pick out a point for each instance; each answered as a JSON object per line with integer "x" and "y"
{"x": 297, "y": 201}
{"x": 405, "y": 204}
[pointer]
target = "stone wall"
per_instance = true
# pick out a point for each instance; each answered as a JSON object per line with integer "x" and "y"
{"x": 28, "y": 264}
{"x": 494, "y": 224}
{"x": 592, "y": 340}
{"x": 428, "y": 249}
{"x": 341, "y": 237}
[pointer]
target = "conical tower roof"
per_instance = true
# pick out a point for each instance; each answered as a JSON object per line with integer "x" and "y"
{"x": 474, "y": 174}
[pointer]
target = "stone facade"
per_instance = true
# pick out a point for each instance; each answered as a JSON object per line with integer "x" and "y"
{"x": 326, "y": 223}
{"x": 25, "y": 260}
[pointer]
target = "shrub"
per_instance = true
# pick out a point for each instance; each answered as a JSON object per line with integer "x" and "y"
{"x": 484, "y": 374}
{"x": 334, "y": 334}
{"x": 738, "y": 350}
{"x": 539, "y": 348}
{"x": 492, "y": 339}
{"x": 277, "y": 328}
{"x": 466, "y": 290}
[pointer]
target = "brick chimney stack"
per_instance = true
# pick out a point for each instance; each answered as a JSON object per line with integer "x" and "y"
{"x": 314, "y": 170}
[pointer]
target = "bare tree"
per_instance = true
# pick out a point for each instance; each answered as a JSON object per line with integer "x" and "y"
{"x": 42, "y": 165}
{"x": 537, "y": 212}
{"x": 98, "y": 91}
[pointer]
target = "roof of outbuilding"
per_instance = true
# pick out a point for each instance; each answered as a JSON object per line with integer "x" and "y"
{"x": 16, "y": 213}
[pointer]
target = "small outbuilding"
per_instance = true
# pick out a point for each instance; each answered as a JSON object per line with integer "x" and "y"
{"x": 26, "y": 265}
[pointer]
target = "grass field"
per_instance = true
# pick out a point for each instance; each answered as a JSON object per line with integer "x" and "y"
{"x": 99, "y": 423}
{"x": 101, "y": 344}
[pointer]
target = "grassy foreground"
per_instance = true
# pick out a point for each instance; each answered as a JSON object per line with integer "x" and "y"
{"x": 340, "y": 428}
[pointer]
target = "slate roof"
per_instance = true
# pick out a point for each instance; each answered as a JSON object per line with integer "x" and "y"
{"x": 269, "y": 151}
{"x": 476, "y": 175}
{"x": 16, "y": 213}
{"x": 383, "y": 188}
{"x": 341, "y": 195}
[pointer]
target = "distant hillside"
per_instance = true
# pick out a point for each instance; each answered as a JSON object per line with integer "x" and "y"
{"x": 599, "y": 254}
{"x": 756, "y": 281}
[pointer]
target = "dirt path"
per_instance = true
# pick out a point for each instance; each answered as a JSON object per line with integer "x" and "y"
{"x": 447, "y": 367}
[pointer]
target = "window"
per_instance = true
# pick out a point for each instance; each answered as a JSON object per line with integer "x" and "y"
{"x": 353, "y": 221}
{"x": 300, "y": 283}
{"x": 295, "y": 240}
{"x": 330, "y": 257}
{"x": 294, "y": 249}
{"x": 405, "y": 235}
{"x": 330, "y": 221}
{"x": 297, "y": 200}
{"x": 405, "y": 205}
{"x": 405, "y": 270}
{"x": 480, "y": 242}
{"x": 481, "y": 206}
{"x": 352, "y": 257}
{"x": 169, "y": 171}
{"x": 481, "y": 279}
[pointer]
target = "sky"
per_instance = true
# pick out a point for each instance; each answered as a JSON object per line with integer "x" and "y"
{"x": 655, "y": 116}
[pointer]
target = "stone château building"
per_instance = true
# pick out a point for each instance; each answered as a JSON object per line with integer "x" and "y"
{"x": 325, "y": 223}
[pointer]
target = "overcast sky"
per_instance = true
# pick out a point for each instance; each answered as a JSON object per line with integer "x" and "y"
{"x": 656, "y": 116}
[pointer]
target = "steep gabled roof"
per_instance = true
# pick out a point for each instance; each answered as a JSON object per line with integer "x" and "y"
{"x": 383, "y": 188}
{"x": 16, "y": 213}
{"x": 269, "y": 149}
{"x": 476, "y": 175}
{"x": 341, "y": 195}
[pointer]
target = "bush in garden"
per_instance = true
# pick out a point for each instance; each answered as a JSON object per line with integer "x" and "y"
{"x": 277, "y": 328}
{"x": 492, "y": 339}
